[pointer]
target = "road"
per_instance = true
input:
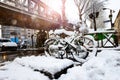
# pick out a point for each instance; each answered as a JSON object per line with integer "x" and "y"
{"x": 10, "y": 55}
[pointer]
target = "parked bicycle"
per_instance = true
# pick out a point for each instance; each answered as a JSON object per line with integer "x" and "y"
{"x": 76, "y": 48}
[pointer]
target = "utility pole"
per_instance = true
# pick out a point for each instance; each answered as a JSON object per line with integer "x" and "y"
{"x": 63, "y": 14}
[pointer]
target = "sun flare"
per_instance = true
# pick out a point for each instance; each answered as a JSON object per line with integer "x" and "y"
{"x": 55, "y": 4}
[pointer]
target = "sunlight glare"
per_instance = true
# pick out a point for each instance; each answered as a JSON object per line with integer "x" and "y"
{"x": 55, "y": 4}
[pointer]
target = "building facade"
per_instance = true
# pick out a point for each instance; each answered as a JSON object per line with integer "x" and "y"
{"x": 20, "y": 33}
{"x": 117, "y": 26}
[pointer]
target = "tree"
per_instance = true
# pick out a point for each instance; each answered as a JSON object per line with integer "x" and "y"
{"x": 86, "y": 7}
{"x": 81, "y": 5}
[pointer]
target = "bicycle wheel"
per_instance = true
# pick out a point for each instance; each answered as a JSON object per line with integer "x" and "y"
{"x": 54, "y": 47}
{"x": 87, "y": 41}
{"x": 47, "y": 45}
{"x": 86, "y": 46}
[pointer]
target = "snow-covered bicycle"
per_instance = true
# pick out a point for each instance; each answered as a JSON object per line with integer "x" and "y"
{"x": 76, "y": 48}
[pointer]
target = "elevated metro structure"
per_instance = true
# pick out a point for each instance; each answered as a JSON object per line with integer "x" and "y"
{"x": 32, "y": 14}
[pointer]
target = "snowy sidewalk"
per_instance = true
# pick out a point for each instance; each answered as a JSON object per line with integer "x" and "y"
{"x": 27, "y": 66}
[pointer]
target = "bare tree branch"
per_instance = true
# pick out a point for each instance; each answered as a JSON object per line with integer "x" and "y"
{"x": 86, "y": 7}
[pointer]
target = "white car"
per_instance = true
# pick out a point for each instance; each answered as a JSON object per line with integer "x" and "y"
{"x": 7, "y": 45}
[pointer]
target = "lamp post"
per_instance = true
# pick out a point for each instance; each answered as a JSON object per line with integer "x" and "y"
{"x": 110, "y": 15}
{"x": 32, "y": 40}
{"x": 64, "y": 21}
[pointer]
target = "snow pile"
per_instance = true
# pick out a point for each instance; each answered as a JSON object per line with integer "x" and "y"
{"x": 49, "y": 64}
{"x": 23, "y": 68}
{"x": 106, "y": 66}
{"x": 60, "y": 31}
{"x": 14, "y": 71}
{"x": 83, "y": 28}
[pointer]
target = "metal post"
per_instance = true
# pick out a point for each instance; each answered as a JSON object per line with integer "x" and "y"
{"x": 94, "y": 20}
{"x": 63, "y": 13}
{"x": 32, "y": 40}
{"x": 110, "y": 16}
{"x": 94, "y": 16}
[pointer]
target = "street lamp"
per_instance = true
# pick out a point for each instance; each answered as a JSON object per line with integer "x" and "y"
{"x": 64, "y": 21}
{"x": 110, "y": 15}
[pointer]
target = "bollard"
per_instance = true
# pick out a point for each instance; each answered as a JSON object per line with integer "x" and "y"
{"x": 4, "y": 56}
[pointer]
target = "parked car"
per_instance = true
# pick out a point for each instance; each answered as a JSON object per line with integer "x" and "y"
{"x": 24, "y": 44}
{"x": 7, "y": 45}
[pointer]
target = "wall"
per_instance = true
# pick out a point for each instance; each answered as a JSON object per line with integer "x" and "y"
{"x": 117, "y": 26}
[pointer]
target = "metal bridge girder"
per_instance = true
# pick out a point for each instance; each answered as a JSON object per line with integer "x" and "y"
{"x": 32, "y": 8}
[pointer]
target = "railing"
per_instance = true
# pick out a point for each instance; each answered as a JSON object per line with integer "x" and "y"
{"x": 105, "y": 39}
{"x": 35, "y": 7}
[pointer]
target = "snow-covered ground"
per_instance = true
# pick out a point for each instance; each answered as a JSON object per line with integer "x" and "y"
{"x": 105, "y": 66}
{"x": 23, "y": 68}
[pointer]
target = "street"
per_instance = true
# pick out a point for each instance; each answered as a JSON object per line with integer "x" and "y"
{"x": 11, "y": 55}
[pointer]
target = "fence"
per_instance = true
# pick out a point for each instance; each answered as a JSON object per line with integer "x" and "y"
{"x": 105, "y": 39}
